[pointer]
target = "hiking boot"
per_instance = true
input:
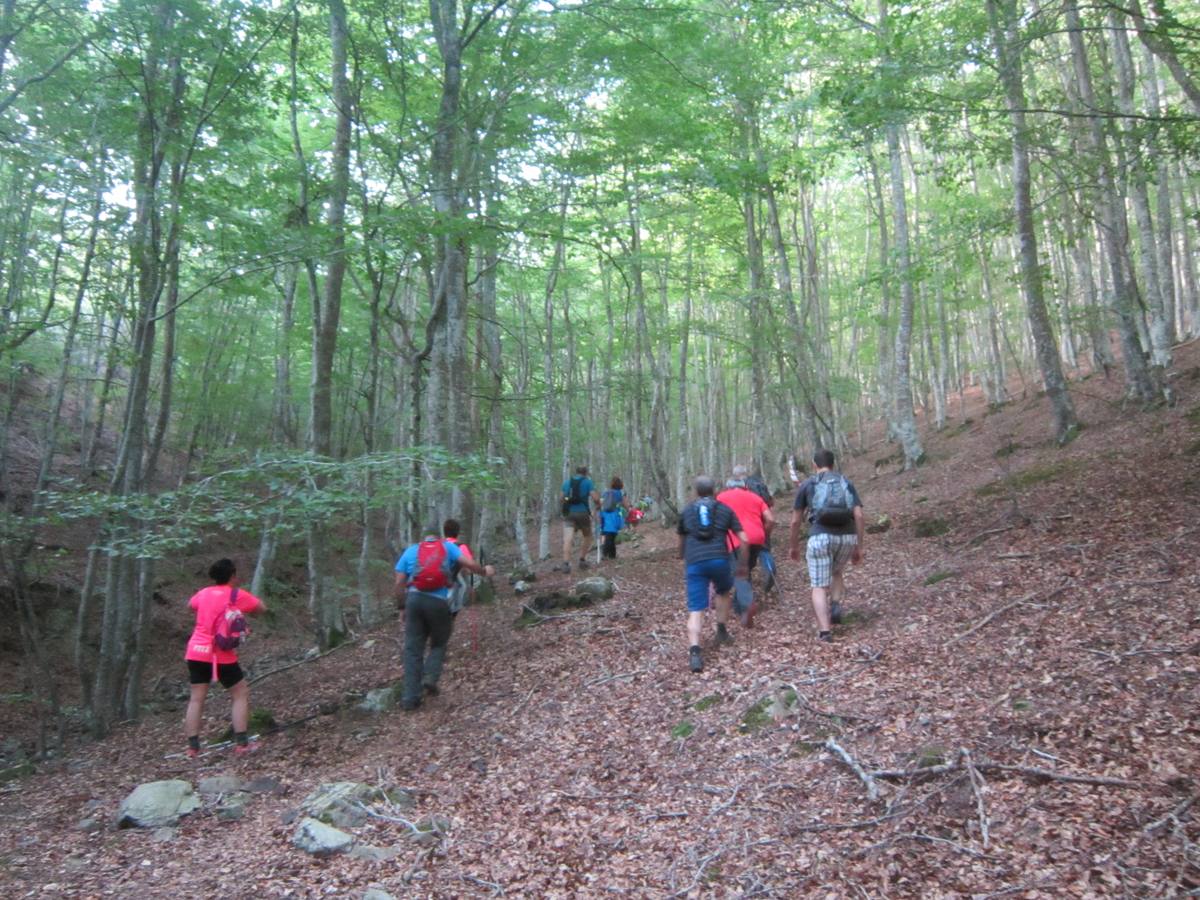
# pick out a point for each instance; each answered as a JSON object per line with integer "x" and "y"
{"x": 192, "y": 752}
{"x": 835, "y": 612}
{"x": 246, "y": 749}
{"x": 748, "y": 614}
{"x": 695, "y": 663}
{"x": 723, "y": 635}
{"x": 584, "y": 564}
{"x": 826, "y": 636}
{"x": 431, "y": 690}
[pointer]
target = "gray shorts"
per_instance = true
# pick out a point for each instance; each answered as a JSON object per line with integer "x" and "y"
{"x": 827, "y": 555}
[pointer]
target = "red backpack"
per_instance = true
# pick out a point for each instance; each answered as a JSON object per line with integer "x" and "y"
{"x": 431, "y": 572}
{"x": 230, "y": 629}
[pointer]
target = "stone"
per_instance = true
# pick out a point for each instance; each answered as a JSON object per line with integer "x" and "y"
{"x": 157, "y": 803}
{"x": 338, "y": 803}
{"x": 595, "y": 588}
{"x": 381, "y": 699}
{"x": 522, "y": 574}
{"x": 90, "y": 826}
{"x": 376, "y": 894}
{"x": 219, "y": 784}
{"x": 233, "y": 807}
{"x": 265, "y": 785}
{"x": 319, "y": 839}
{"x": 163, "y": 835}
{"x": 521, "y": 587}
{"x": 436, "y": 823}
{"x": 374, "y": 854}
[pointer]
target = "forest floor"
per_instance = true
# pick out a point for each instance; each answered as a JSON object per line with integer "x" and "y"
{"x": 1031, "y": 616}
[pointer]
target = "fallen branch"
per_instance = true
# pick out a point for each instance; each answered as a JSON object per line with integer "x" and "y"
{"x": 872, "y": 788}
{"x": 604, "y": 679}
{"x": 998, "y": 612}
{"x": 1027, "y": 771}
{"x": 986, "y": 534}
{"x": 992, "y": 615}
{"x": 683, "y": 892}
{"x": 518, "y": 707}
{"x": 848, "y": 826}
{"x": 1173, "y": 815}
{"x": 977, "y": 786}
{"x": 300, "y": 662}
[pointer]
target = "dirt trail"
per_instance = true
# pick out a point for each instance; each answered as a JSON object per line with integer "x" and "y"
{"x": 1049, "y": 622}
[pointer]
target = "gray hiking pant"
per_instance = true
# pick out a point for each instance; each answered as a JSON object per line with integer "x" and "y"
{"x": 426, "y": 619}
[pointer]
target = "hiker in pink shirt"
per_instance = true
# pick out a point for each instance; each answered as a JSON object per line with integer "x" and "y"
{"x": 219, "y": 618}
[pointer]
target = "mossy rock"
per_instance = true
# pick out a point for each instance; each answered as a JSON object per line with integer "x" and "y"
{"x": 684, "y": 729}
{"x": 931, "y": 526}
{"x": 940, "y": 576}
{"x": 1028, "y": 478}
{"x": 21, "y": 770}
{"x": 707, "y": 702}
{"x": 932, "y": 755}
{"x": 261, "y": 721}
{"x": 882, "y": 524}
{"x": 767, "y": 711}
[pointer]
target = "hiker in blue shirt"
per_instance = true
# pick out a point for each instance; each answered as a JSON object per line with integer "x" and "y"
{"x": 423, "y": 580}
{"x": 612, "y": 516}
{"x": 578, "y": 494}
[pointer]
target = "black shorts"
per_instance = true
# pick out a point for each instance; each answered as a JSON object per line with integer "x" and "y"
{"x": 228, "y": 674}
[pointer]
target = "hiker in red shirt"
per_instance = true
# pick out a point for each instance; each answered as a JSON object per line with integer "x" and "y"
{"x": 757, "y": 522}
{"x": 219, "y": 619}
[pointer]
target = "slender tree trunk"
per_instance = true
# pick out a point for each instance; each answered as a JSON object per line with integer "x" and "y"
{"x": 1003, "y": 18}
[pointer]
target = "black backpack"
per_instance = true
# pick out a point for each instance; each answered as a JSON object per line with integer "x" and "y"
{"x": 575, "y": 497}
{"x": 832, "y": 504}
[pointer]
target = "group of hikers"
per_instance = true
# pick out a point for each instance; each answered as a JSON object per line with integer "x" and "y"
{"x": 722, "y": 538}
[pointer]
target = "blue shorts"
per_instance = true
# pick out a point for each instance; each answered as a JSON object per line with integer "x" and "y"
{"x": 700, "y": 575}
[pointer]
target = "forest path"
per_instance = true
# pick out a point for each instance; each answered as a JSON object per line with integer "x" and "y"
{"x": 1050, "y": 622}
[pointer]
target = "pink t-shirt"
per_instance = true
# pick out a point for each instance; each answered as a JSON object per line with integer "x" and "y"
{"x": 749, "y": 508}
{"x": 210, "y": 603}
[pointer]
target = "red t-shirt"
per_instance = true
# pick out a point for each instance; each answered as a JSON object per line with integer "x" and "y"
{"x": 749, "y": 508}
{"x": 210, "y": 603}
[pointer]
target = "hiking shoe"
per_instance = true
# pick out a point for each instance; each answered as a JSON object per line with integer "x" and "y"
{"x": 245, "y": 749}
{"x": 192, "y": 752}
{"x": 723, "y": 635}
{"x": 584, "y": 564}
{"x": 826, "y": 636}
{"x": 410, "y": 705}
{"x": 431, "y": 690}
{"x": 748, "y": 614}
{"x": 835, "y": 613}
{"x": 695, "y": 663}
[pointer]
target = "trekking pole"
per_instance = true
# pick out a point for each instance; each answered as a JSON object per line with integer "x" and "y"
{"x": 597, "y": 530}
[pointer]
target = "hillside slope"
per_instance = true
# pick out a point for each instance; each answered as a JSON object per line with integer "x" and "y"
{"x": 1048, "y": 625}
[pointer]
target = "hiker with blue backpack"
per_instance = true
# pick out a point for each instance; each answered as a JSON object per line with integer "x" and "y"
{"x": 211, "y": 655}
{"x": 424, "y": 576}
{"x": 704, "y": 526}
{"x": 830, "y": 505}
{"x": 613, "y": 507}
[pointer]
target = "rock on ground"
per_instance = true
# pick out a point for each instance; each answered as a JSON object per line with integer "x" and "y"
{"x": 157, "y": 803}
{"x": 338, "y": 803}
{"x": 595, "y": 588}
{"x": 320, "y": 839}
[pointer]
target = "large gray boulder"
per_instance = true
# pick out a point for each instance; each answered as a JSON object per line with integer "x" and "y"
{"x": 321, "y": 840}
{"x": 595, "y": 588}
{"x": 157, "y": 803}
